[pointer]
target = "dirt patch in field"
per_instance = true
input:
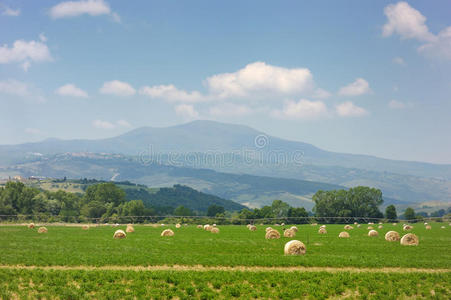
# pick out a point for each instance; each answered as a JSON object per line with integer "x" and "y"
{"x": 201, "y": 268}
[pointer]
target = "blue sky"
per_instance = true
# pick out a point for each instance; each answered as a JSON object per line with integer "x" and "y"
{"x": 369, "y": 77}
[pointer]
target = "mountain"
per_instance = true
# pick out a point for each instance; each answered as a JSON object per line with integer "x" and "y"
{"x": 237, "y": 149}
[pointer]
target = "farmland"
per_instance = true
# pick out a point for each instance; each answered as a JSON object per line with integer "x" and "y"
{"x": 69, "y": 262}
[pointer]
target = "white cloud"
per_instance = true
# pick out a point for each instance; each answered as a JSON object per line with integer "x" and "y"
{"x": 187, "y": 111}
{"x": 406, "y": 21}
{"x": 229, "y": 109}
{"x": 103, "y": 124}
{"x": 440, "y": 47}
{"x": 24, "y": 52}
{"x": 359, "y": 87}
{"x": 26, "y": 65}
{"x": 303, "y": 109}
{"x": 321, "y": 94}
{"x": 117, "y": 88}
{"x": 42, "y": 37}
{"x": 399, "y": 60}
{"x": 260, "y": 78}
{"x": 395, "y": 104}
{"x": 71, "y": 90}
{"x": 123, "y": 123}
{"x": 69, "y": 9}
{"x": 349, "y": 109}
{"x": 171, "y": 93}
{"x": 33, "y": 131}
{"x": 10, "y": 12}
{"x": 14, "y": 87}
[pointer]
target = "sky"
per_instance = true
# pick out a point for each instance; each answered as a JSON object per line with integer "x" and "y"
{"x": 367, "y": 77}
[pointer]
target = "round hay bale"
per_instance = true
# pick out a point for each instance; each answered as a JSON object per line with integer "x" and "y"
{"x": 449, "y": 224}
{"x": 314, "y": 224}
{"x": 294, "y": 228}
{"x": 252, "y": 228}
{"x": 178, "y": 225}
{"x": 428, "y": 227}
{"x": 358, "y": 225}
{"x": 248, "y": 226}
{"x": 442, "y": 227}
{"x": 214, "y": 225}
{"x": 167, "y": 232}
{"x": 130, "y": 228}
{"x": 268, "y": 229}
{"x": 206, "y": 225}
{"x": 322, "y": 230}
{"x": 322, "y": 226}
{"x": 410, "y": 239}
{"x": 348, "y": 227}
{"x": 31, "y": 225}
{"x": 425, "y": 223}
{"x": 294, "y": 247}
{"x": 355, "y": 223}
{"x": 370, "y": 228}
{"x": 344, "y": 234}
{"x": 289, "y": 233}
{"x": 214, "y": 230}
{"x": 380, "y": 223}
{"x": 380, "y": 226}
{"x": 272, "y": 234}
{"x": 162, "y": 224}
{"x": 373, "y": 233}
{"x": 407, "y": 227}
{"x": 85, "y": 227}
{"x": 200, "y": 226}
{"x": 392, "y": 236}
{"x": 208, "y": 228}
{"x": 276, "y": 224}
{"x": 370, "y": 223}
{"x": 119, "y": 234}
{"x": 394, "y": 224}
{"x": 283, "y": 224}
{"x": 42, "y": 230}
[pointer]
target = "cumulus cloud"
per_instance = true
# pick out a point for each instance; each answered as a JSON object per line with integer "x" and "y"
{"x": 349, "y": 109}
{"x": 186, "y": 111}
{"x": 71, "y": 90}
{"x": 123, "y": 123}
{"x": 14, "y": 87}
{"x": 409, "y": 23}
{"x": 117, "y": 88}
{"x": 68, "y": 9}
{"x": 399, "y": 61}
{"x": 7, "y": 11}
{"x": 229, "y": 110}
{"x": 259, "y": 77}
{"x": 24, "y": 53}
{"x": 303, "y": 109}
{"x": 103, "y": 124}
{"x": 359, "y": 87}
{"x": 171, "y": 93}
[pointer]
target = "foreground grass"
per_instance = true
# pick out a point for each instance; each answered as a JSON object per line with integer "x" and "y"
{"x": 233, "y": 246}
{"x": 78, "y": 284}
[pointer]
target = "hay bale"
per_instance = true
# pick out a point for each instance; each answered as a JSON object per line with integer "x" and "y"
{"x": 425, "y": 223}
{"x": 289, "y": 233}
{"x": 370, "y": 223}
{"x": 294, "y": 247}
{"x": 252, "y": 228}
{"x": 119, "y": 234}
{"x": 248, "y": 225}
{"x": 355, "y": 223}
{"x": 206, "y": 225}
{"x": 283, "y": 224}
{"x": 442, "y": 227}
{"x": 214, "y": 225}
{"x": 370, "y": 228}
{"x": 167, "y": 232}
{"x": 294, "y": 228}
{"x": 348, "y": 227}
{"x": 272, "y": 234}
{"x": 276, "y": 224}
{"x": 392, "y": 236}
{"x": 407, "y": 227}
{"x": 394, "y": 224}
{"x": 209, "y": 228}
{"x": 130, "y": 228}
{"x": 344, "y": 234}
{"x": 268, "y": 229}
{"x": 373, "y": 233}
{"x": 380, "y": 223}
{"x": 428, "y": 227}
{"x": 322, "y": 226}
{"x": 410, "y": 239}
{"x": 31, "y": 225}
{"x": 314, "y": 224}
{"x": 178, "y": 225}
{"x": 42, "y": 230}
{"x": 322, "y": 230}
{"x": 380, "y": 226}
{"x": 200, "y": 226}
{"x": 358, "y": 225}
{"x": 214, "y": 230}
{"x": 85, "y": 227}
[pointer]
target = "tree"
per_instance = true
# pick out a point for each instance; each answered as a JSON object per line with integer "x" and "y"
{"x": 105, "y": 193}
{"x": 390, "y": 212}
{"x": 183, "y": 211}
{"x": 297, "y": 215}
{"x": 214, "y": 209}
{"x": 409, "y": 214}
{"x": 279, "y": 208}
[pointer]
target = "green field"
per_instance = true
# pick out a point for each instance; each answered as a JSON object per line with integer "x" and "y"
{"x": 63, "y": 264}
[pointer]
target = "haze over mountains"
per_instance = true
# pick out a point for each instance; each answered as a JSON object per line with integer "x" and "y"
{"x": 227, "y": 148}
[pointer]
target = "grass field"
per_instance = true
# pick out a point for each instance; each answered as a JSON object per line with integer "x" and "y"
{"x": 74, "y": 253}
